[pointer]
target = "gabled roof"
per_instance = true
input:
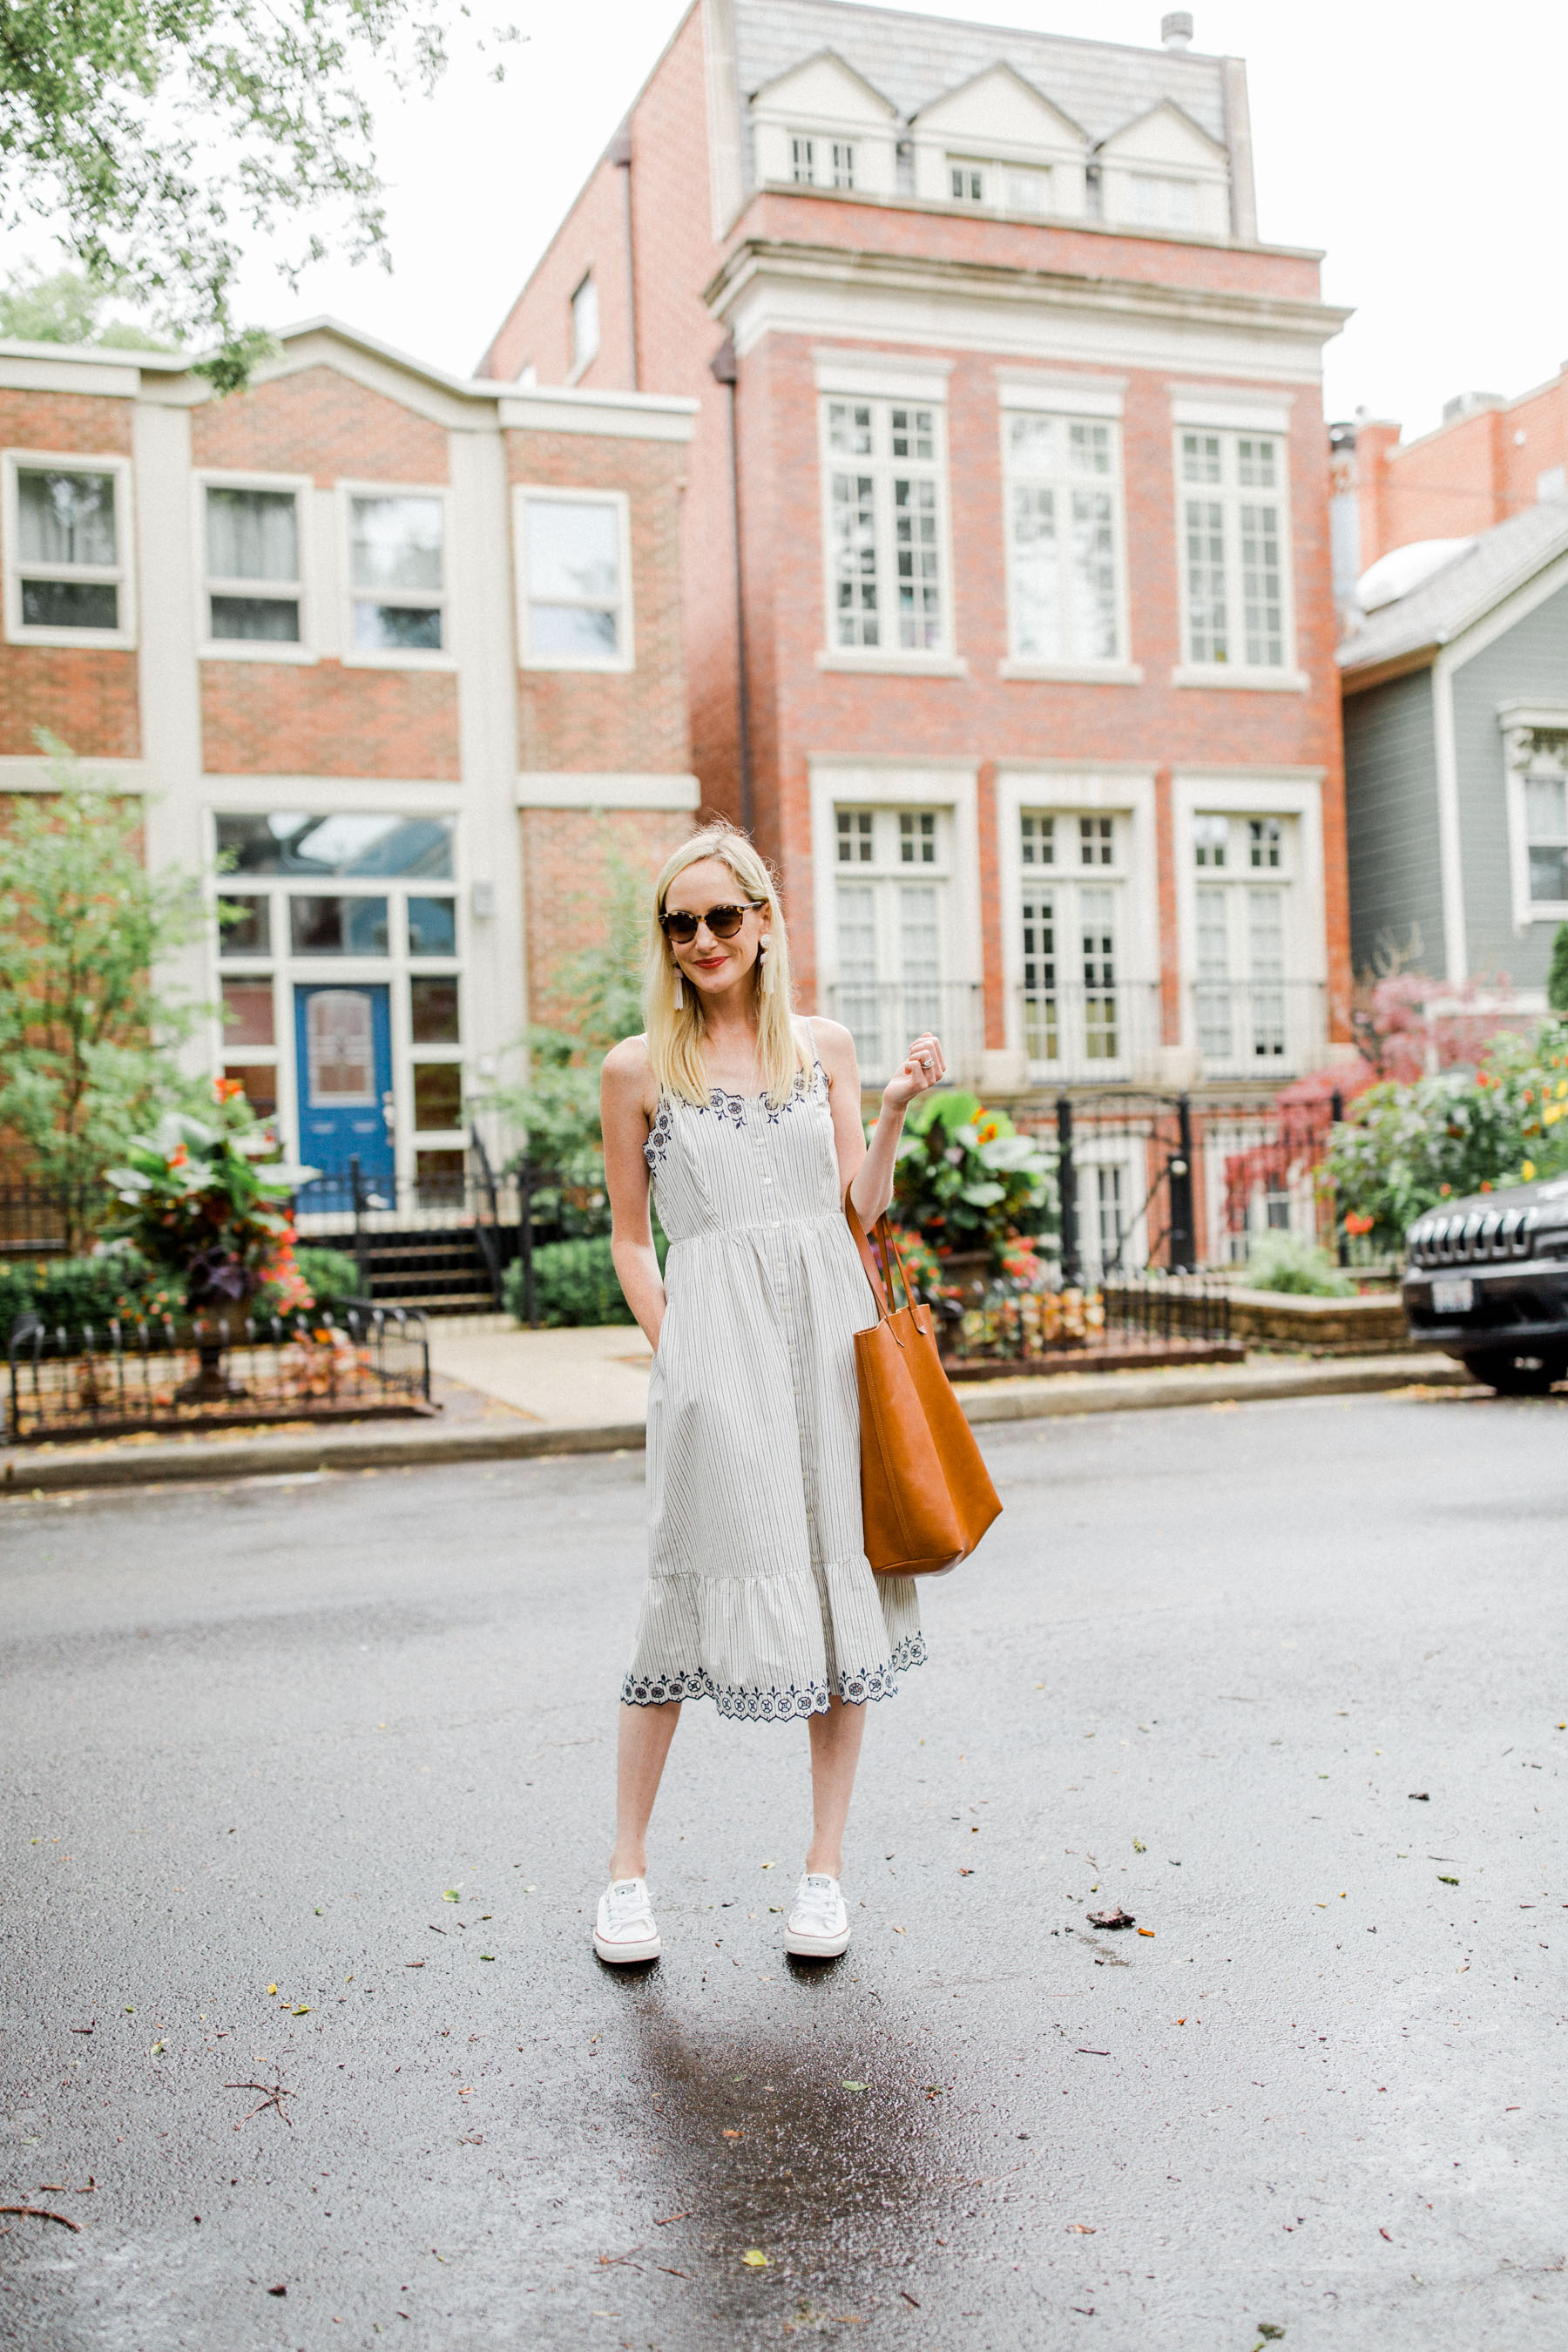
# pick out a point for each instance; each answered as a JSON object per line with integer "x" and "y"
{"x": 1451, "y": 600}
{"x": 1010, "y": 73}
{"x": 1179, "y": 114}
{"x": 830, "y": 57}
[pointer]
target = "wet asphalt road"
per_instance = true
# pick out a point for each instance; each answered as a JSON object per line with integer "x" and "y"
{"x": 263, "y": 1735}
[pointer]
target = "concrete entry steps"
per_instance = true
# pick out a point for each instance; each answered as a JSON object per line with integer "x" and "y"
{"x": 514, "y": 1432}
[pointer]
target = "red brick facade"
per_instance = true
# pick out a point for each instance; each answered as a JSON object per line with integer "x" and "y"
{"x": 263, "y": 720}
{"x": 320, "y": 422}
{"x": 569, "y": 861}
{"x": 1475, "y": 471}
{"x": 1131, "y": 307}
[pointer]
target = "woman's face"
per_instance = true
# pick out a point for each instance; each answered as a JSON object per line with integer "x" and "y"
{"x": 712, "y": 966}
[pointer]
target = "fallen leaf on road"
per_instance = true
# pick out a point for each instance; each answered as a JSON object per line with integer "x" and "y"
{"x": 1105, "y": 2054}
{"x": 669, "y": 2218}
{"x": 754, "y": 2259}
{"x": 1443, "y": 1880}
{"x": 851, "y": 2086}
{"x": 303, "y": 2010}
{"x": 1083, "y": 2228}
{"x": 413, "y": 1964}
{"x": 1384, "y": 2233}
{"x": 1420, "y": 1797}
{"x": 734, "y": 2135}
{"x": 1116, "y": 1917}
{"x": 270, "y": 1988}
{"x": 965, "y": 1873}
{"x": 450, "y": 1894}
{"x": 277, "y": 2290}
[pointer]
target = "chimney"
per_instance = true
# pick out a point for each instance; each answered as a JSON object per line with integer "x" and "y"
{"x": 1176, "y": 29}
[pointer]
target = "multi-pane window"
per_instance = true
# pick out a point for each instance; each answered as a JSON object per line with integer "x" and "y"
{"x": 335, "y": 932}
{"x": 68, "y": 560}
{"x": 1161, "y": 203}
{"x": 1064, "y": 592}
{"x": 396, "y": 572}
{"x": 1242, "y": 938}
{"x": 891, "y": 908}
{"x": 253, "y": 590}
{"x": 1233, "y": 548}
{"x": 584, "y": 323}
{"x": 1546, "y": 835}
{"x": 998, "y": 187}
{"x": 817, "y": 162}
{"x": 1071, "y": 931}
{"x": 575, "y": 606}
{"x": 884, "y": 552}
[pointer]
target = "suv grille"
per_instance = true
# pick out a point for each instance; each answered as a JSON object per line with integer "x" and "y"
{"x": 1471, "y": 1237}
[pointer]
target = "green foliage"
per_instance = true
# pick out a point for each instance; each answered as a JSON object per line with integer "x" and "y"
{"x": 160, "y": 132}
{"x": 1403, "y": 1149}
{"x": 330, "y": 1275}
{"x": 1290, "y": 1263}
{"x": 73, "y": 1293}
{"x": 208, "y": 1205}
{"x": 67, "y": 307}
{"x": 967, "y": 1179}
{"x": 573, "y": 1282}
{"x": 558, "y": 1108}
{"x": 1557, "y": 975}
{"x": 86, "y": 1039}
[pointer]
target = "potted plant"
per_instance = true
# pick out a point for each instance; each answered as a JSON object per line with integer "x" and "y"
{"x": 970, "y": 1184}
{"x": 209, "y": 1203}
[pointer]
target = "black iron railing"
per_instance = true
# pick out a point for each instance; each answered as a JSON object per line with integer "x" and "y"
{"x": 209, "y": 1374}
{"x": 1123, "y": 1321}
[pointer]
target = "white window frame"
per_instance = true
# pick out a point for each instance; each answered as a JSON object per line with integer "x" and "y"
{"x": 211, "y": 648}
{"x": 995, "y": 171}
{"x": 1231, "y": 427}
{"x": 121, "y": 575}
{"x": 1060, "y": 404}
{"x": 883, "y": 396}
{"x": 284, "y": 968}
{"x": 835, "y": 149}
{"x": 1520, "y": 724}
{"x": 951, "y": 788}
{"x": 402, "y": 657}
{"x": 1067, "y": 793}
{"x": 1259, "y": 793}
{"x": 625, "y": 658}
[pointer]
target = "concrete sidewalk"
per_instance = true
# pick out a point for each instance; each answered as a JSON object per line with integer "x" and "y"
{"x": 507, "y": 1395}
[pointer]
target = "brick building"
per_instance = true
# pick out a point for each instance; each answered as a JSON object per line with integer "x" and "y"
{"x": 1490, "y": 459}
{"x": 1009, "y": 455}
{"x": 396, "y": 661}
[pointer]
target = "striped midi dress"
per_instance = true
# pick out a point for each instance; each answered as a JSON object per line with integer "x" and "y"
{"x": 759, "y": 1595}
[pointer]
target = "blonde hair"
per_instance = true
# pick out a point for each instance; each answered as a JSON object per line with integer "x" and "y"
{"x": 675, "y": 1030}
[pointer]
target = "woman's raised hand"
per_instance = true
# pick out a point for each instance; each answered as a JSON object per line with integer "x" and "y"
{"x": 924, "y": 1066}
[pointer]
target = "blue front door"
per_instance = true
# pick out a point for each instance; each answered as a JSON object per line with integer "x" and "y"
{"x": 343, "y": 1045}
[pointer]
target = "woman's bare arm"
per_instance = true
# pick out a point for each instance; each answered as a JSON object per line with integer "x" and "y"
{"x": 866, "y": 1175}
{"x": 625, "y": 1089}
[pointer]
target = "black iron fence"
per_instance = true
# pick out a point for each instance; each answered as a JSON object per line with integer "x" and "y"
{"x": 1144, "y": 1319}
{"x": 212, "y": 1374}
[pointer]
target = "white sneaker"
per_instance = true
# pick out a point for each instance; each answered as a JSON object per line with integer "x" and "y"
{"x": 624, "y": 1928}
{"x": 819, "y": 1923}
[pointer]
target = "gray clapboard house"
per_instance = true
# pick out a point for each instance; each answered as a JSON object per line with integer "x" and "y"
{"x": 1455, "y": 731}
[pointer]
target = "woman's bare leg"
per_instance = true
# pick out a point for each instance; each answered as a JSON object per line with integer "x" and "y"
{"x": 642, "y": 1746}
{"x": 836, "y": 1739}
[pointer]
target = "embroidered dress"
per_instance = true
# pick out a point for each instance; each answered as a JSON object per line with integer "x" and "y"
{"x": 759, "y": 1595}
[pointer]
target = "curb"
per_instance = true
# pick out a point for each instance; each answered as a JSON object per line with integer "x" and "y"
{"x": 405, "y": 1446}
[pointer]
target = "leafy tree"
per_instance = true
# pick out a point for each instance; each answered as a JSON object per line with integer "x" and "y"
{"x": 1403, "y": 1147}
{"x": 67, "y": 308}
{"x": 1557, "y": 976}
{"x": 153, "y": 134}
{"x": 86, "y": 1038}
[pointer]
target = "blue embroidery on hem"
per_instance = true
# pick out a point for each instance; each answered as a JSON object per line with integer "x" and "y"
{"x": 756, "y": 1705}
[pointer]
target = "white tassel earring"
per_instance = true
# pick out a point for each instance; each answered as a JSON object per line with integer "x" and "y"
{"x": 680, "y": 991}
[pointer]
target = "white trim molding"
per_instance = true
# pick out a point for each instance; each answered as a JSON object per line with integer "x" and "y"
{"x": 620, "y": 415}
{"x": 1230, "y": 407}
{"x": 882, "y": 375}
{"x": 1525, "y": 754}
{"x": 942, "y": 784}
{"x": 1125, "y": 792}
{"x": 1251, "y": 792}
{"x": 306, "y": 649}
{"x": 624, "y": 658}
{"x": 1060, "y": 395}
{"x": 121, "y": 575}
{"x": 541, "y": 788}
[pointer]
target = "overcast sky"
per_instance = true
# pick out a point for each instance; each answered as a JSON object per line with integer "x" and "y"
{"x": 1420, "y": 143}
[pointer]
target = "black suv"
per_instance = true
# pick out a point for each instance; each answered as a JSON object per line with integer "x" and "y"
{"x": 1485, "y": 1279}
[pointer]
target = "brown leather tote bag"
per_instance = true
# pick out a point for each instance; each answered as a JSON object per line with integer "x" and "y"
{"x": 926, "y": 1495}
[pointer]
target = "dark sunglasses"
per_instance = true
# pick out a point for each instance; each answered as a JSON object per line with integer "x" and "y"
{"x": 723, "y": 921}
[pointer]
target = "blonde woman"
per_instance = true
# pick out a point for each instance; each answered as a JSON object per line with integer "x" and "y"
{"x": 745, "y": 1121}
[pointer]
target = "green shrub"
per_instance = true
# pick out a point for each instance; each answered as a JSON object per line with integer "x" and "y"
{"x": 71, "y": 1293}
{"x": 966, "y": 1179}
{"x": 331, "y": 1275}
{"x": 1289, "y": 1262}
{"x": 573, "y": 1282}
{"x": 1557, "y": 977}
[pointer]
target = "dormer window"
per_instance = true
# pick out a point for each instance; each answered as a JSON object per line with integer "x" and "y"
{"x": 967, "y": 181}
{"x": 999, "y": 187}
{"x": 1162, "y": 203}
{"x": 821, "y": 163}
{"x": 1024, "y": 191}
